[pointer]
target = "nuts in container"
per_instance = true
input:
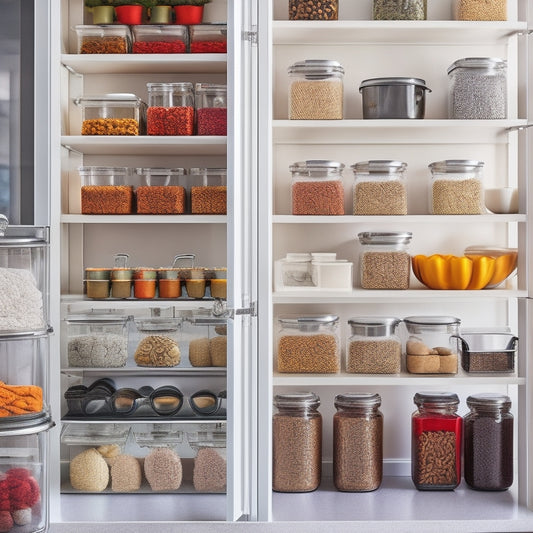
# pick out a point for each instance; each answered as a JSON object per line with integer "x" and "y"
{"x": 313, "y": 9}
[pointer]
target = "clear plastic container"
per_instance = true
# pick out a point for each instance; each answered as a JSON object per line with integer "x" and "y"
{"x": 456, "y": 187}
{"x": 112, "y": 114}
{"x": 24, "y": 252}
{"x": 204, "y": 340}
{"x": 400, "y": 10}
{"x": 385, "y": 262}
{"x": 208, "y": 38}
{"x": 317, "y": 187}
{"x": 157, "y": 342}
{"x": 162, "y": 191}
{"x": 477, "y": 88}
{"x": 373, "y": 346}
{"x": 211, "y": 109}
{"x": 480, "y": 10}
{"x": 106, "y": 191}
{"x": 210, "y": 461}
{"x": 491, "y": 352}
{"x": 488, "y": 442}
{"x": 308, "y": 344}
{"x": 379, "y": 188}
{"x": 357, "y": 442}
{"x": 313, "y": 10}
{"x": 208, "y": 191}
{"x": 103, "y": 39}
{"x": 436, "y": 441}
{"x": 160, "y": 39}
{"x": 432, "y": 346}
{"x": 170, "y": 109}
{"x": 316, "y": 90}
{"x": 297, "y": 442}
{"x": 97, "y": 340}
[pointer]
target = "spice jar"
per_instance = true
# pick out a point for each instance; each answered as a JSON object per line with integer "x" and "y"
{"x": 480, "y": 10}
{"x": 374, "y": 346}
{"x": 103, "y": 39}
{"x": 357, "y": 442}
{"x": 436, "y": 441}
{"x": 308, "y": 343}
{"x": 316, "y": 90}
{"x": 211, "y": 109}
{"x": 317, "y": 188}
{"x": 208, "y": 191}
{"x": 161, "y": 192}
{"x": 456, "y": 187}
{"x": 313, "y": 9}
{"x": 385, "y": 262}
{"x": 144, "y": 283}
{"x": 379, "y": 188}
{"x": 488, "y": 442}
{"x": 157, "y": 342}
{"x": 159, "y": 39}
{"x": 297, "y": 442}
{"x": 400, "y": 9}
{"x": 432, "y": 345}
{"x": 209, "y": 38}
{"x": 477, "y": 88}
{"x": 170, "y": 109}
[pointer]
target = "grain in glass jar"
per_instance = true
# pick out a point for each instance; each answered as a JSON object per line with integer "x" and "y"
{"x": 317, "y": 188}
{"x": 456, "y": 187}
{"x": 488, "y": 442}
{"x": 480, "y": 9}
{"x": 385, "y": 262}
{"x": 432, "y": 344}
{"x": 357, "y": 442}
{"x": 379, "y": 188}
{"x": 103, "y": 38}
{"x": 297, "y": 442}
{"x": 374, "y": 346}
{"x": 316, "y": 90}
{"x": 308, "y": 343}
{"x": 477, "y": 88}
{"x": 170, "y": 109}
{"x": 207, "y": 190}
{"x": 436, "y": 441}
{"x": 211, "y": 109}
{"x": 313, "y": 9}
{"x": 400, "y": 9}
{"x": 161, "y": 192}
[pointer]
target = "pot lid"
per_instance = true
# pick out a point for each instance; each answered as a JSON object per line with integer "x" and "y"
{"x": 374, "y": 82}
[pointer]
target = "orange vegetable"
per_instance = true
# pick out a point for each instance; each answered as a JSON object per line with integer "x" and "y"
{"x": 20, "y": 399}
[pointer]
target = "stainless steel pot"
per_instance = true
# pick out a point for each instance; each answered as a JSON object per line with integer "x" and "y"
{"x": 394, "y": 97}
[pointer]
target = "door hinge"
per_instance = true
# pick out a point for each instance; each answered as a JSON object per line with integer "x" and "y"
{"x": 250, "y": 35}
{"x": 221, "y": 309}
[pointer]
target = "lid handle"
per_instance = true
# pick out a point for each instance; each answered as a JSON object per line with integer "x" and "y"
{"x": 4, "y": 223}
{"x": 121, "y": 260}
{"x": 179, "y": 257}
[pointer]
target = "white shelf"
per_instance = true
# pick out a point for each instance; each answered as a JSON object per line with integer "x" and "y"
{"x": 144, "y": 219}
{"x": 77, "y": 302}
{"x": 393, "y": 32}
{"x": 153, "y": 420}
{"x": 145, "y": 63}
{"x": 394, "y": 220}
{"x": 145, "y": 145}
{"x": 147, "y": 371}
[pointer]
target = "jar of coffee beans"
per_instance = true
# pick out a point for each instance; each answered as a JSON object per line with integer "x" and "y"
{"x": 357, "y": 442}
{"x": 379, "y": 188}
{"x": 297, "y": 442}
{"x": 488, "y": 442}
{"x": 313, "y": 9}
{"x": 400, "y": 9}
{"x": 436, "y": 441}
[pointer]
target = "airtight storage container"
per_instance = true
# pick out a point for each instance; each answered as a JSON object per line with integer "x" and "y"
{"x": 157, "y": 342}
{"x": 399, "y": 10}
{"x": 160, "y": 39}
{"x": 313, "y": 10}
{"x": 207, "y": 189}
{"x": 204, "y": 341}
{"x": 161, "y": 191}
{"x": 103, "y": 39}
{"x": 170, "y": 109}
{"x": 208, "y": 38}
{"x": 211, "y": 109}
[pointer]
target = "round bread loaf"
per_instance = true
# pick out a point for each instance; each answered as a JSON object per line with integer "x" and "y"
{"x": 157, "y": 350}
{"x": 89, "y": 471}
{"x": 163, "y": 470}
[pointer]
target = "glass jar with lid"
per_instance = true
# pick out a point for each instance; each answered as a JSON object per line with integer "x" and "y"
{"x": 488, "y": 442}
{"x": 211, "y": 109}
{"x": 157, "y": 342}
{"x": 209, "y": 470}
{"x": 477, "y": 88}
{"x": 316, "y": 90}
{"x": 379, "y": 188}
{"x": 161, "y": 191}
{"x": 436, "y": 441}
{"x": 207, "y": 191}
{"x": 400, "y": 9}
{"x": 456, "y": 187}
{"x": 317, "y": 187}
{"x": 357, "y": 442}
{"x": 297, "y": 442}
{"x": 373, "y": 346}
{"x": 480, "y": 10}
{"x": 385, "y": 262}
{"x": 170, "y": 109}
{"x": 432, "y": 345}
{"x": 158, "y": 38}
{"x": 313, "y": 10}
{"x": 308, "y": 343}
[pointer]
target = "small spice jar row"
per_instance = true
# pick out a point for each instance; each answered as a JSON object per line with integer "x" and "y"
{"x": 153, "y": 191}
{"x": 152, "y": 39}
{"x": 312, "y": 343}
{"x": 358, "y": 435}
{"x": 477, "y": 89}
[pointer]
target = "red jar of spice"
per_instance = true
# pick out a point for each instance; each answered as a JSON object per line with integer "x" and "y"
{"x": 208, "y": 38}
{"x": 170, "y": 109}
{"x": 160, "y": 39}
{"x": 211, "y": 109}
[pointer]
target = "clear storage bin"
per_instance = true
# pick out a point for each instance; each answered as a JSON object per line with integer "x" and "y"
{"x": 208, "y": 191}
{"x": 157, "y": 342}
{"x": 205, "y": 341}
{"x": 170, "y": 109}
{"x": 103, "y": 39}
{"x": 211, "y": 109}
{"x": 313, "y": 10}
{"x": 112, "y": 114}
{"x": 210, "y": 461}
{"x": 480, "y": 9}
{"x": 308, "y": 344}
{"x": 208, "y": 38}
{"x": 162, "y": 191}
{"x": 456, "y": 187}
{"x": 379, "y": 188}
{"x": 400, "y": 9}
{"x": 316, "y": 90}
{"x": 160, "y": 39}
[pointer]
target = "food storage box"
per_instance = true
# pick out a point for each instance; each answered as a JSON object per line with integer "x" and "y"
{"x": 210, "y": 467}
{"x": 24, "y": 279}
{"x": 399, "y": 10}
{"x": 480, "y": 10}
{"x": 208, "y": 191}
{"x": 170, "y": 109}
{"x": 161, "y": 191}
{"x": 157, "y": 342}
{"x": 160, "y": 39}
{"x": 97, "y": 340}
{"x": 208, "y": 38}
{"x": 204, "y": 340}
{"x": 103, "y": 39}
{"x": 313, "y": 10}
{"x": 488, "y": 351}
{"x": 112, "y": 114}
{"x": 211, "y": 109}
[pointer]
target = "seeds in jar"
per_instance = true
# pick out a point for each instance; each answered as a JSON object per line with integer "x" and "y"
{"x": 308, "y": 353}
{"x": 104, "y": 45}
{"x": 160, "y": 200}
{"x": 209, "y": 200}
{"x": 489, "y": 362}
{"x": 316, "y": 100}
{"x": 313, "y": 9}
{"x": 374, "y": 357}
{"x": 97, "y": 351}
{"x": 481, "y": 10}
{"x": 106, "y": 199}
{"x": 385, "y": 270}
{"x": 380, "y": 198}
{"x": 110, "y": 126}
{"x": 434, "y": 462}
{"x": 457, "y": 197}
{"x": 400, "y": 9}
{"x": 318, "y": 198}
